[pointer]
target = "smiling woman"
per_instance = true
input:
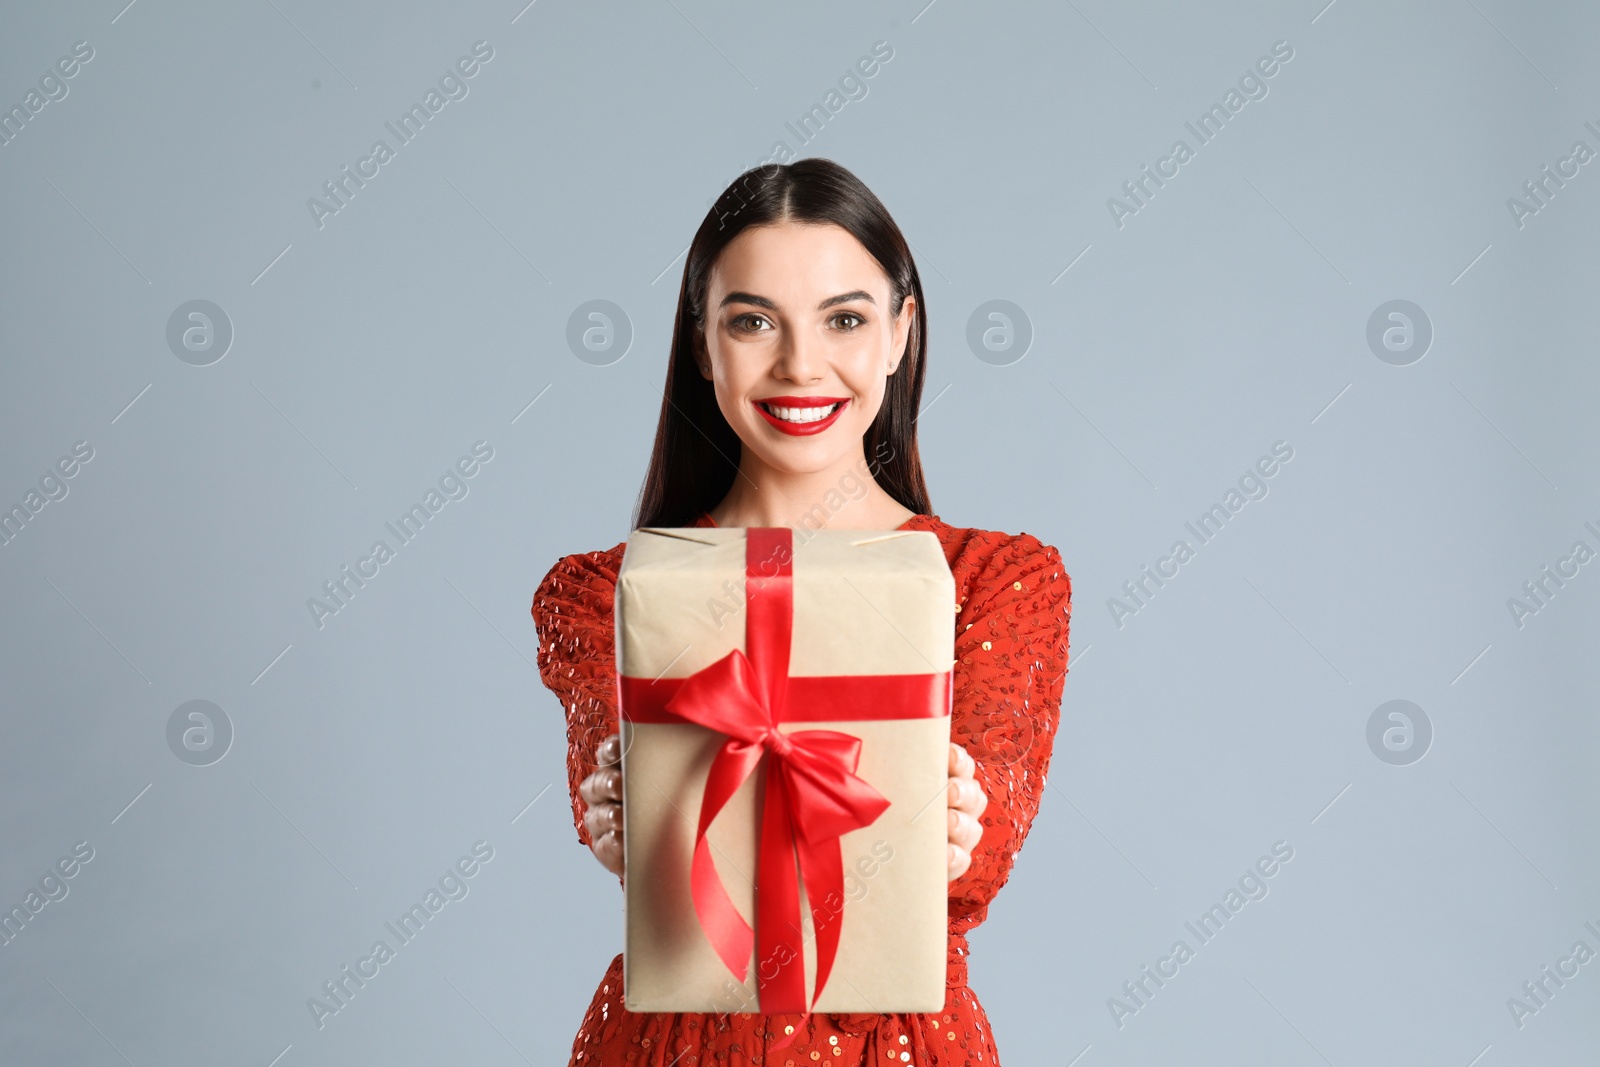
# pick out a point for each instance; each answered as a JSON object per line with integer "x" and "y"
{"x": 798, "y": 351}
{"x": 800, "y": 292}
{"x": 787, "y": 365}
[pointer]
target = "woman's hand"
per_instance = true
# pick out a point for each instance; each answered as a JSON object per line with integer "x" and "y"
{"x": 602, "y": 817}
{"x": 602, "y": 796}
{"x": 967, "y": 801}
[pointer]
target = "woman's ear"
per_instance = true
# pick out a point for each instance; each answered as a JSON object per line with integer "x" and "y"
{"x": 905, "y": 325}
{"x": 702, "y": 359}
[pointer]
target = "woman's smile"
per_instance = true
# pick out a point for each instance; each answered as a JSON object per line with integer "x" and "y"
{"x": 801, "y": 415}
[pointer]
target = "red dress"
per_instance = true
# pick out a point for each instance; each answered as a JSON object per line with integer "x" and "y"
{"x": 1011, "y": 619}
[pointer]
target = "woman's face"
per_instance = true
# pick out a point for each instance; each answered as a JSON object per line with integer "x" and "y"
{"x": 798, "y": 325}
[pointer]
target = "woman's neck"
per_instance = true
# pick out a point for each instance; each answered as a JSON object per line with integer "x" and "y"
{"x": 844, "y": 498}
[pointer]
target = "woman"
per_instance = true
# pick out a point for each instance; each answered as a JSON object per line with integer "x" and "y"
{"x": 799, "y": 351}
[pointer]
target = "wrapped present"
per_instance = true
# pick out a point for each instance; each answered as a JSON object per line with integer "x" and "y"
{"x": 785, "y": 711}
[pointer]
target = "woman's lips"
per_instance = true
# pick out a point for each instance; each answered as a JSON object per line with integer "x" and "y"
{"x": 801, "y": 429}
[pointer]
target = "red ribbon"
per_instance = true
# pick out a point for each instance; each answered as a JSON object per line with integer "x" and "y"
{"x": 812, "y": 797}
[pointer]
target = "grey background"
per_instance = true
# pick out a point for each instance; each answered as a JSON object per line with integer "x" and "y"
{"x": 369, "y": 354}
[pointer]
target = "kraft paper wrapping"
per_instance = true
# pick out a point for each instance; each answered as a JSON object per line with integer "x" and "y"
{"x": 865, "y": 602}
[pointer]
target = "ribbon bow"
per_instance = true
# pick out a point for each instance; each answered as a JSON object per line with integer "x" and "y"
{"x": 812, "y": 797}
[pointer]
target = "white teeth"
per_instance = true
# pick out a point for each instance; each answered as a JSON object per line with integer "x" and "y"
{"x": 801, "y": 414}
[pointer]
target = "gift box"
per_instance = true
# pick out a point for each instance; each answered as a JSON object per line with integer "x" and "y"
{"x": 785, "y": 703}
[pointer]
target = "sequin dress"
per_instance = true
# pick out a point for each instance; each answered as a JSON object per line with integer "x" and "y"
{"x": 1011, "y": 621}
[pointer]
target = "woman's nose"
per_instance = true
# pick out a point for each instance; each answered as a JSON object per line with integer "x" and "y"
{"x": 800, "y": 360}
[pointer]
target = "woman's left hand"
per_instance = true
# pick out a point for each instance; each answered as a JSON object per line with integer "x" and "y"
{"x": 967, "y": 801}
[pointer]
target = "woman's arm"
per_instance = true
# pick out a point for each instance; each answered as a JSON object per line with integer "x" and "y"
{"x": 572, "y": 616}
{"x": 1008, "y": 696}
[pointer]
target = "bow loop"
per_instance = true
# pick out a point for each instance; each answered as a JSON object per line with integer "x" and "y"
{"x": 827, "y": 797}
{"x": 726, "y": 697}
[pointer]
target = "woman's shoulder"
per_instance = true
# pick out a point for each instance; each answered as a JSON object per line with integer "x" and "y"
{"x": 988, "y": 563}
{"x": 975, "y": 547}
{"x": 579, "y": 586}
{"x": 600, "y": 559}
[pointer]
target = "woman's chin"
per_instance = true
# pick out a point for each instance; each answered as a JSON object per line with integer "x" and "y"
{"x": 800, "y": 455}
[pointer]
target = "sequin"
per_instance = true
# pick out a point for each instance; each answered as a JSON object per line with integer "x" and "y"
{"x": 1012, "y": 592}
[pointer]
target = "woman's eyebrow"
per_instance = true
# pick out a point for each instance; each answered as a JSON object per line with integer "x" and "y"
{"x": 763, "y": 302}
{"x": 845, "y": 298}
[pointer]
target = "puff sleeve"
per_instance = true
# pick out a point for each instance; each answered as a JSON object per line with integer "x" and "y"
{"x": 572, "y": 614}
{"x": 1010, "y": 670}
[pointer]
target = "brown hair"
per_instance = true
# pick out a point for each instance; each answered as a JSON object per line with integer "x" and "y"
{"x": 696, "y": 453}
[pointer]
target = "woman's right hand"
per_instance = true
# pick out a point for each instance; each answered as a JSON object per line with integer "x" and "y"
{"x": 602, "y": 797}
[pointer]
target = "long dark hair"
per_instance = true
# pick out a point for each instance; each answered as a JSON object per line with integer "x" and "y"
{"x": 696, "y": 453}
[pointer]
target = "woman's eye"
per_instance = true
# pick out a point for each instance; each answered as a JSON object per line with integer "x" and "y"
{"x": 751, "y": 322}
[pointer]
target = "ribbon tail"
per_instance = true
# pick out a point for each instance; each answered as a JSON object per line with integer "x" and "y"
{"x": 779, "y": 937}
{"x": 729, "y": 934}
{"x": 799, "y": 934}
{"x": 822, "y": 867}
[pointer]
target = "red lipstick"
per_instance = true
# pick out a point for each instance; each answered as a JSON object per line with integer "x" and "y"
{"x": 801, "y": 429}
